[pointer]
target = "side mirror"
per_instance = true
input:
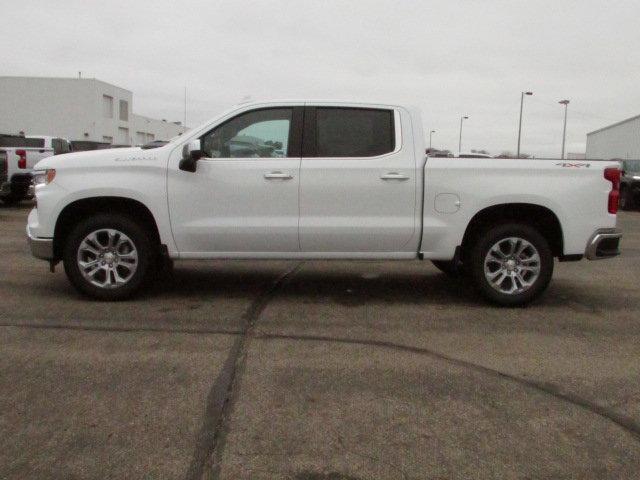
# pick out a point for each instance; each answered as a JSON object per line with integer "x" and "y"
{"x": 191, "y": 153}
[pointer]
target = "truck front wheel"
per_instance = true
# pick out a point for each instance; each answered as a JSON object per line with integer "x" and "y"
{"x": 107, "y": 256}
{"x": 511, "y": 264}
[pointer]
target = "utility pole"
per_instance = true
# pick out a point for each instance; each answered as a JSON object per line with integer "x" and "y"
{"x": 430, "y": 134}
{"x": 564, "y": 129}
{"x": 460, "y": 139}
{"x": 520, "y": 124}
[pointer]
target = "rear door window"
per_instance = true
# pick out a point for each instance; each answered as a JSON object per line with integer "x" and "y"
{"x": 354, "y": 132}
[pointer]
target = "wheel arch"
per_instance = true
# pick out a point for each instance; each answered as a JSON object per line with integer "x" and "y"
{"x": 540, "y": 217}
{"x": 77, "y": 210}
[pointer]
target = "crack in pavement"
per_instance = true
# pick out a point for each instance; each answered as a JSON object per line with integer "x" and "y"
{"x": 221, "y": 394}
{"x": 629, "y": 424}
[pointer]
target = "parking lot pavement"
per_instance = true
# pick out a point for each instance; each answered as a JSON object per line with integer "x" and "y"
{"x": 98, "y": 404}
{"x": 338, "y": 370}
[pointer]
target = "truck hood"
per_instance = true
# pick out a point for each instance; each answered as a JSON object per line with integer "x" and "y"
{"x": 95, "y": 158}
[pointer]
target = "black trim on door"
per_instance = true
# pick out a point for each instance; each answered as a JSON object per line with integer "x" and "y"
{"x": 295, "y": 133}
{"x": 309, "y": 134}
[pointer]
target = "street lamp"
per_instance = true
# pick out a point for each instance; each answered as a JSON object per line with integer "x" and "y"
{"x": 564, "y": 129}
{"x": 430, "y": 134}
{"x": 520, "y": 124}
{"x": 460, "y": 140}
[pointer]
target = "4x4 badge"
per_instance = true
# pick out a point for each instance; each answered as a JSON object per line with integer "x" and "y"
{"x": 574, "y": 165}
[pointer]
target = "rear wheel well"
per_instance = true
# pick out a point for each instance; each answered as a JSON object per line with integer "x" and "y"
{"x": 537, "y": 216}
{"x": 81, "y": 209}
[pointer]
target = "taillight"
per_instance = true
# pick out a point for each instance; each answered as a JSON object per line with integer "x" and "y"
{"x": 613, "y": 175}
{"x": 22, "y": 161}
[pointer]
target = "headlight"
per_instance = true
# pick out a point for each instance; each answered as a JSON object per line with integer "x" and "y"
{"x": 44, "y": 177}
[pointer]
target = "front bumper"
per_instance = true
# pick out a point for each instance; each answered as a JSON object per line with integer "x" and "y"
{"x": 40, "y": 247}
{"x": 604, "y": 243}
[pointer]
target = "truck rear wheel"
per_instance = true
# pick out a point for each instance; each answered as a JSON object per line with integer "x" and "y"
{"x": 107, "y": 257}
{"x": 511, "y": 264}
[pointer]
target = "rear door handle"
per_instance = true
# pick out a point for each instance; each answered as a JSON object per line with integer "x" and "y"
{"x": 277, "y": 176}
{"x": 394, "y": 176}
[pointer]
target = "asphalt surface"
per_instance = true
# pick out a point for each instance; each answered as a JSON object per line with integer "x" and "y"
{"x": 319, "y": 371}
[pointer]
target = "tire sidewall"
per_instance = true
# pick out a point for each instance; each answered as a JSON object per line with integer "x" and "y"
{"x": 126, "y": 225}
{"x": 488, "y": 239}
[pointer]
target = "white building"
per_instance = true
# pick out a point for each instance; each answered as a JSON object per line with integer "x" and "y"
{"x": 620, "y": 140}
{"x": 77, "y": 109}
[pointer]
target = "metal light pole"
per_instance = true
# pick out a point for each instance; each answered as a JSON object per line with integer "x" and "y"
{"x": 460, "y": 140}
{"x": 564, "y": 129}
{"x": 430, "y": 134}
{"x": 520, "y": 124}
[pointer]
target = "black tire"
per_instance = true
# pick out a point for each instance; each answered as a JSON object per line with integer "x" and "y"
{"x": 10, "y": 200}
{"x": 138, "y": 235}
{"x": 451, "y": 268}
{"x": 625, "y": 202}
{"x": 491, "y": 237}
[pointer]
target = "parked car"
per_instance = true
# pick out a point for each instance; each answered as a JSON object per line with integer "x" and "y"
{"x": 353, "y": 183}
{"x": 154, "y": 144}
{"x": 88, "y": 145}
{"x": 630, "y": 185}
{"x": 18, "y": 155}
{"x": 433, "y": 152}
{"x": 473, "y": 155}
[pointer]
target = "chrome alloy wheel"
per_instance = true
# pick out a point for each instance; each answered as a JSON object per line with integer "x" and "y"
{"x": 107, "y": 258}
{"x": 512, "y": 265}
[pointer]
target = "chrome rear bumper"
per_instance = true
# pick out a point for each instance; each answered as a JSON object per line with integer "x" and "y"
{"x": 604, "y": 243}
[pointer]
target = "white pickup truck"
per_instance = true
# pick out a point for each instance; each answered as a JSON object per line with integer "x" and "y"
{"x": 18, "y": 155}
{"x": 319, "y": 180}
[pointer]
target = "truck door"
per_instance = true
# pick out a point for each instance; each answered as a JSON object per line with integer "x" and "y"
{"x": 243, "y": 196}
{"x": 357, "y": 181}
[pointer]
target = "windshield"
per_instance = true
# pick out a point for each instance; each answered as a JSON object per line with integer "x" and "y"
{"x": 631, "y": 166}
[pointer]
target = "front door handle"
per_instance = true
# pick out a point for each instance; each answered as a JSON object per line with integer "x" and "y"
{"x": 394, "y": 176}
{"x": 277, "y": 176}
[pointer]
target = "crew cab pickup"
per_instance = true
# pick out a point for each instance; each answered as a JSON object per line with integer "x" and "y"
{"x": 18, "y": 155}
{"x": 319, "y": 180}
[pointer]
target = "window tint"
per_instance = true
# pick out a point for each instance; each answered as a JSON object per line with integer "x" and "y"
{"x": 354, "y": 132}
{"x": 260, "y": 133}
{"x": 60, "y": 145}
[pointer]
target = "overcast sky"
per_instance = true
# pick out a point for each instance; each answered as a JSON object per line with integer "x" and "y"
{"x": 450, "y": 58}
